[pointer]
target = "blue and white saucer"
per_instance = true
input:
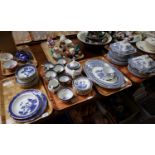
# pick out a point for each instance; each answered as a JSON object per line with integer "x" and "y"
{"x": 25, "y": 104}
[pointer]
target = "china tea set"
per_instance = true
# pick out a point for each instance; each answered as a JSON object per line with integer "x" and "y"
{"x": 66, "y": 80}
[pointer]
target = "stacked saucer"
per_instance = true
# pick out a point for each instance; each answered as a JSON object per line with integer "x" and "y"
{"x": 142, "y": 66}
{"x": 28, "y": 105}
{"x": 120, "y": 52}
{"x": 27, "y": 76}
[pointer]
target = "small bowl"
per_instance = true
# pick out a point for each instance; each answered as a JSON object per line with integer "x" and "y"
{"x": 82, "y": 85}
{"x": 48, "y": 66}
{"x": 5, "y": 56}
{"x": 58, "y": 68}
{"x": 65, "y": 80}
{"x": 23, "y": 56}
{"x": 10, "y": 65}
{"x": 65, "y": 94}
{"x": 53, "y": 85}
{"x": 62, "y": 61}
{"x": 49, "y": 75}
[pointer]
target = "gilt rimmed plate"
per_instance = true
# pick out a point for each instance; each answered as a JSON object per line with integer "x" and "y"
{"x": 25, "y": 104}
{"x": 83, "y": 34}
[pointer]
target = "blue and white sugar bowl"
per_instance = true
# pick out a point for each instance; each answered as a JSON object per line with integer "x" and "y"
{"x": 82, "y": 85}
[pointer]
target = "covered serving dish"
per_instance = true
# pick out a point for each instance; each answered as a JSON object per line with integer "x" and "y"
{"x": 73, "y": 68}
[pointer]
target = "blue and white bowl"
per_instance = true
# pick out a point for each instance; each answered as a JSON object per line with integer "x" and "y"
{"x": 82, "y": 85}
{"x": 65, "y": 94}
{"x": 25, "y": 104}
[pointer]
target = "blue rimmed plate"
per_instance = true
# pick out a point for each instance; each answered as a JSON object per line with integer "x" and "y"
{"x": 40, "y": 112}
{"x": 25, "y": 104}
{"x": 97, "y": 70}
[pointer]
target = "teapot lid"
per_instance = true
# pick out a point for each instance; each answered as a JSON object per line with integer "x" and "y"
{"x": 73, "y": 65}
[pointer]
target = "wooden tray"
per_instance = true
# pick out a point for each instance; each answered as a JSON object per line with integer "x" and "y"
{"x": 21, "y": 37}
{"x": 125, "y": 71}
{"x": 104, "y": 91}
{"x": 49, "y": 57}
{"x": 8, "y": 89}
{"x": 59, "y": 104}
{"x": 6, "y": 72}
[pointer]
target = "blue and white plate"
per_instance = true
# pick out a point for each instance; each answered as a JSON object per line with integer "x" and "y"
{"x": 26, "y": 72}
{"x": 40, "y": 112}
{"x": 116, "y": 62}
{"x": 103, "y": 74}
{"x": 25, "y": 104}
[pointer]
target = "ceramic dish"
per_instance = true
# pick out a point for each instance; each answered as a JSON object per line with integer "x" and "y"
{"x": 53, "y": 85}
{"x": 83, "y": 34}
{"x": 5, "y": 56}
{"x": 143, "y": 47}
{"x": 49, "y": 75}
{"x": 82, "y": 85}
{"x": 62, "y": 61}
{"x": 116, "y": 62}
{"x": 103, "y": 74}
{"x": 48, "y": 66}
{"x": 65, "y": 94}
{"x": 30, "y": 84}
{"x": 122, "y": 48}
{"x": 23, "y": 56}
{"x": 10, "y": 64}
{"x": 58, "y": 68}
{"x": 26, "y": 72}
{"x": 64, "y": 79}
{"x": 25, "y": 104}
{"x": 40, "y": 112}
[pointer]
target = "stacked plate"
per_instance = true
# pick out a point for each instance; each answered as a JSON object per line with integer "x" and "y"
{"x": 142, "y": 66}
{"x": 28, "y": 105}
{"x": 103, "y": 74}
{"x": 27, "y": 76}
{"x": 120, "y": 52}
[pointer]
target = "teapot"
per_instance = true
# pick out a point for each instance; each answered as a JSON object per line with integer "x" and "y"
{"x": 73, "y": 68}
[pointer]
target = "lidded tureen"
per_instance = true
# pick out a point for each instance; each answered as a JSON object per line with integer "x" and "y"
{"x": 73, "y": 68}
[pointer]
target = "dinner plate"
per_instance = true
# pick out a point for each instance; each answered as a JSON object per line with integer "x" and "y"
{"x": 82, "y": 37}
{"x": 97, "y": 70}
{"x": 40, "y": 112}
{"x": 25, "y": 104}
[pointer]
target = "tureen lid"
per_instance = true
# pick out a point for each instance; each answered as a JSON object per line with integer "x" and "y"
{"x": 122, "y": 47}
{"x": 74, "y": 65}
